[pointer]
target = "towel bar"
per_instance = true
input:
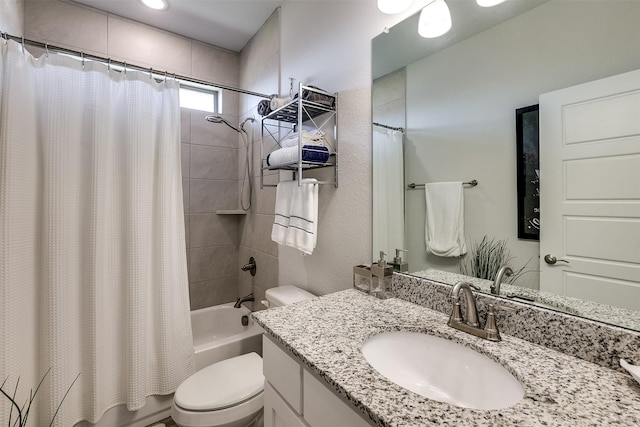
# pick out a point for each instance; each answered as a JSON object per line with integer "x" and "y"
{"x": 472, "y": 183}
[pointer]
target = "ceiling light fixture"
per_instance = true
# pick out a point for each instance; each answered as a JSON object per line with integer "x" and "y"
{"x": 155, "y": 4}
{"x": 435, "y": 19}
{"x": 488, "y": 3}
{"x": 391, "y": 7}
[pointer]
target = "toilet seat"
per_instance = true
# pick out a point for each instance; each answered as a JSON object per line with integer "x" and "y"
{"x": 222, "y": 385}
{"x": 229, "y": 392}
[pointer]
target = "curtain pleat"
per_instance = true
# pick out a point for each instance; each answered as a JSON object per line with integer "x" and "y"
{"x": 92, "y": 260}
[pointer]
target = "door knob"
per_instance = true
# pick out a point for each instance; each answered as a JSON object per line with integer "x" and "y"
{"x": 551, "y": 259}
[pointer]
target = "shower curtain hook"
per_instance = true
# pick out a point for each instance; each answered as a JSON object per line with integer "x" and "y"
{"x": 151, "y": 73}
{"x": 125, "y": 68}
{"x": 46, "y": 48}
{"x": 82, "y": 56}
{"x": 5, "y": 38}
{"x": 109, "y": 64}
{"x": 165, "y": 76}
{"x": 22, "y": 44}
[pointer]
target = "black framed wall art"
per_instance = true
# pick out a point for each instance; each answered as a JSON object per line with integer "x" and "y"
{"x": 528, "y": 170}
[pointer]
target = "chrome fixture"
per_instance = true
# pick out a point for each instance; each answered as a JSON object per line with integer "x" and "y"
{"x": 220, "y": 119}
{"x": 250, "y": 267}
{"x": 246, "y": 176}
{"x": 471, "y": 324}
{"x": 551, "y": 259}
{"x": 240, "y": 300}
{"x": 413, "y": 186}
{"x": 504, "y": 271}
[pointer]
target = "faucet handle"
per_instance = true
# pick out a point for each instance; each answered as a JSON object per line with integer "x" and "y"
{"x": 490, "y": 327}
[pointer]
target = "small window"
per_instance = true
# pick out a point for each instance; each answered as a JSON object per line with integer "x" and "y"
{"x": 199, "y": 99}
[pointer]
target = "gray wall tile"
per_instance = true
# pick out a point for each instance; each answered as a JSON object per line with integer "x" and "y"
{"x": 66, "y": 24}
{"x": 213, "y": 230}
{"x": 213, "y": 292}
{"x": 148, "y": 46}
{"x": 212, "y": 263}
{"x": 213, "y": 162}
{"x": 215, "y": 64}
{"x": 210, "y": 196}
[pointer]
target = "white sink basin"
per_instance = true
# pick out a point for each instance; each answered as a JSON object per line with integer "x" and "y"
{"x": 442, "y": 370}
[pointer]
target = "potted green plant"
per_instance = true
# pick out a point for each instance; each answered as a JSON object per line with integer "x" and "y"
{"x": 22, "y": 412}
{"x": 487, "y": 257}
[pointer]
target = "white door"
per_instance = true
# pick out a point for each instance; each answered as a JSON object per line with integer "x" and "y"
{"x": 590, "y": 191}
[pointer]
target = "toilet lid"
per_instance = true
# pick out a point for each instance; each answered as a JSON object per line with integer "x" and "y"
{"x": 222, "y": 384}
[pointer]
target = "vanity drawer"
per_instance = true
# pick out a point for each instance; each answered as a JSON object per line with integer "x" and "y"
{"x": 276, "y": 411}
{"x": 283, "y": 372}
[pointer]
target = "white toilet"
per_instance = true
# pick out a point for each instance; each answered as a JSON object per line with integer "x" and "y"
{"x": 229, "y": 393}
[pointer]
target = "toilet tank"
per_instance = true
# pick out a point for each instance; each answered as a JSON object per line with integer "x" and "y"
{"x": 285, "y": 295}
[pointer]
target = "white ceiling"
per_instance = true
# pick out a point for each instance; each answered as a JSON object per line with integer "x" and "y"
{"x": 225, "y": 23}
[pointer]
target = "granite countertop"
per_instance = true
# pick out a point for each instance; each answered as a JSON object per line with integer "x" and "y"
{"x": 589, "y": 309}
{"x": 326, "y": 334}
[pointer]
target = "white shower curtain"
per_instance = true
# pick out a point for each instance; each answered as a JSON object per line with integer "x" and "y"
{"x": 93, "y": 277}
{"x": 388, "y": 192}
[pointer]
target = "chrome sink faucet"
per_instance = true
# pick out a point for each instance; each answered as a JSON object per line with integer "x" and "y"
{"x": 470, "y": 323}
{"x": 503, "y": 272}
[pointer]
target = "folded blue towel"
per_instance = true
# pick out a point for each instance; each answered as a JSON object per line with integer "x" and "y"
{"x": 310, "y": 153}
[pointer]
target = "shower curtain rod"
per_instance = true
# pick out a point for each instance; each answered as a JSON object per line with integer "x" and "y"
{"x": 126, "y": 65}
{"x": 388, "y": 127}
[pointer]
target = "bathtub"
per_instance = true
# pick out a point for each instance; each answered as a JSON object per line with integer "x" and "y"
{"x": 218, "y": 334}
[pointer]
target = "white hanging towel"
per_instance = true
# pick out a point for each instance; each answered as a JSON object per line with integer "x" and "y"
{"x": 282, "y": 212}
{"x": 444, "y": 228}
{"x": 296, "y": 215}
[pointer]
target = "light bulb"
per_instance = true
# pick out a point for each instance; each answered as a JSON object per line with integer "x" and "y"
{"x": 488, "y": 3}
{"x": 394, "y": 6}
{"x": 155, "y": 4}
{"x": 435, "y": 19}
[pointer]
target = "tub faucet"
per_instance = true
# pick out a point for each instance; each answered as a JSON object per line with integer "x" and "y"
{"x": 470, "y": 323}
{"x": 240, "y": 300}
{"x": 503, "y": 272}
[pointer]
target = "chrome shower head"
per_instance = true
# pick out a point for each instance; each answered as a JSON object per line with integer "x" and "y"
{"x": 219, "y": 119}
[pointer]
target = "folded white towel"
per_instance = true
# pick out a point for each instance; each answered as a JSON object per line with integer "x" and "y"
{"x": 444, "y": 228}
{"x": 288, "y": 155}
{"x": 296, "y": 215}
{"x": 315, "y": 137}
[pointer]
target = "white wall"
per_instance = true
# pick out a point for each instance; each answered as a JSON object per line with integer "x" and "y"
{"x": 12, "y": 17}
{"x": 461, "y": 106}
{"x": 328, "y": 44}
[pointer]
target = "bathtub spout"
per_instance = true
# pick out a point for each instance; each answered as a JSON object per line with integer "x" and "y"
{"x": 240, "y": 300}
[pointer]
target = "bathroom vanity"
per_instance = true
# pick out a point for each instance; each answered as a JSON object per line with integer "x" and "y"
{"x": 317, "y": 375}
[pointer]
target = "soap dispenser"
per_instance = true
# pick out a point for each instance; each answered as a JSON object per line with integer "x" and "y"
{"x": 398, "y": 264}
{"x": 381, "y": 277}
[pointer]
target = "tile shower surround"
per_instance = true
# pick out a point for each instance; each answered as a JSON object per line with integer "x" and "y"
{"x": 594, "y": 342}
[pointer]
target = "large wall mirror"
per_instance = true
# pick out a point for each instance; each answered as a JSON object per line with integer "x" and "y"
{"x": 447, "y": 108}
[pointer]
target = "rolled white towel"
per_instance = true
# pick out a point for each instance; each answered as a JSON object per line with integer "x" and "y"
{"x": 310, "y": 153}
